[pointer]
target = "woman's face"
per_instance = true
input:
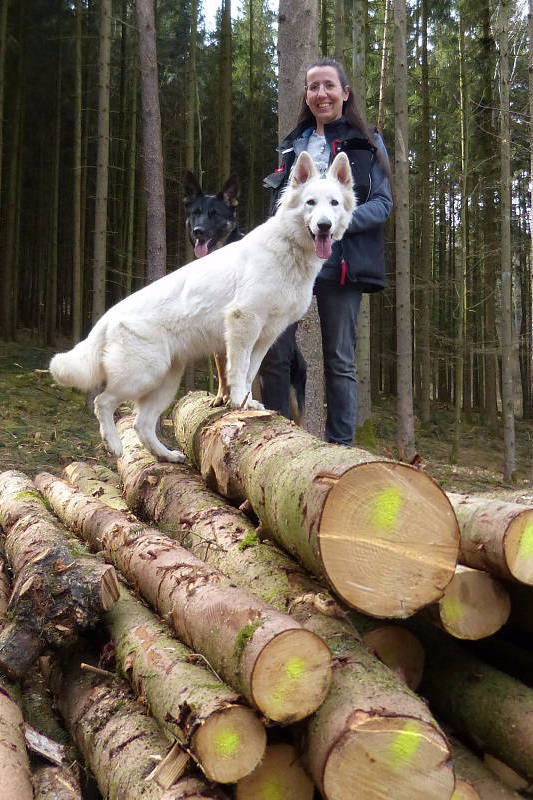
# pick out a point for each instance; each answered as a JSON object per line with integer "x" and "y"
{"x": 324, "y": 95}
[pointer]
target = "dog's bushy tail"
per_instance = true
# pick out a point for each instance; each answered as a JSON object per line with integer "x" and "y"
{"x": 82, "y": 366}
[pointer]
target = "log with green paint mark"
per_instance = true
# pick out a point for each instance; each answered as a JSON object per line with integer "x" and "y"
{"x": 496, "y": 536}
{"x": 474, "y": 605}
{"x": 382, "y": 533}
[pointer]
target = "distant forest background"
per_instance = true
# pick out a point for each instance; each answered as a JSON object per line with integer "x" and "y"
{"x": 467, "y": 108}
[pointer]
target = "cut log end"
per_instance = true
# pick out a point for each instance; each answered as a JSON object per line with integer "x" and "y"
{"x": 518, "y": 547}
{"x": 230, "y": 744}
{"x": 279, "y": 776}
{"x": 388, "y": 538}
{"x": 400, "y": 650}
{"x": 464, "y": 791}
{"x": 474, "y": 606}
{"x": 291, "y": 676}
{"x": 411, "y": 757}
{"x": 110, "y": 589}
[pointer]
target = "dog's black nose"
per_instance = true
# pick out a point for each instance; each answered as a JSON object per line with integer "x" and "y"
{"x": 324, "y": 225}
{"x": 198, "y": 232}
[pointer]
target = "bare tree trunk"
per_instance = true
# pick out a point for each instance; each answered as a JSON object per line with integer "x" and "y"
{"x": 154, "y": 183}
{"x": 339, "y": 30}
{"x": 461, "y": 263}
{"x": 102, "y": 163}
{"x": 384, "y": 63}
{"x": 77, "y": 278}
{"x": 424, "y": 256}
{"x": 506, "y": 261}
{"x": 3, "y": 39}
{"x": 51, "y": 282}
{"x": 404, "y": 338}
{"x": 225, "y": 93}
{"x": 362, "y": 355}
{"x": 297, "y": 47}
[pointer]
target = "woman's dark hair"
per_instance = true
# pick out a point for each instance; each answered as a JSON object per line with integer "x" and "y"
{"x": 351, "y": 111}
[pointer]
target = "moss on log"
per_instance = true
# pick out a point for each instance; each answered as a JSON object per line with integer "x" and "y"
{"x": 354, "y": 742}
{"x": 382, "y": 533}
{"x": 96, "y": 481}
{"x": 470, "y": 768}
{"x": 226, "y": 737}
{"x": 280, "y": 667}
{"x": 120, "y": 743}
{"x": 496, "y": 536}
{"x": 484, "y": 706}
{"x": 56, "y": 593}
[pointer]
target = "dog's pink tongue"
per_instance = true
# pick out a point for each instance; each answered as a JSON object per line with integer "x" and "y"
{"x": 323, "y": 245}
{"x": 200, "y": 249}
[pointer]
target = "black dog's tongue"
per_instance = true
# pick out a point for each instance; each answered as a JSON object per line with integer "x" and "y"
{"x": 200, "y": 248}
{"x": 323, "y": 245}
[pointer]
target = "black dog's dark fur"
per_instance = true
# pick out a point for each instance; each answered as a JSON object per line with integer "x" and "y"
{"x": 211, "y": 222}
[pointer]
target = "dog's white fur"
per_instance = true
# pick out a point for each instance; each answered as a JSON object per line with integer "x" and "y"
{"x": 241, "y": 299}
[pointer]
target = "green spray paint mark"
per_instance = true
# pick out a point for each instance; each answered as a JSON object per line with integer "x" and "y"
{"x": 295, "y": 668}
{"x": 452, "y": 608}
{"x": 226, "y": 743}
{"x": 385, "y": 508}
{"x": 405, "y": 745}
{"x": 272, "y": 791}
{"x": 526, "y": 542}
{"x": 454, "y": 796}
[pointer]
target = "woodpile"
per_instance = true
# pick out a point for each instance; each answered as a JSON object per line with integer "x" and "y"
{"x": 322, "y": 604}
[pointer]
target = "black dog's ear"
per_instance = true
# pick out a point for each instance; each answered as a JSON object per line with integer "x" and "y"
{"x": 231, "y": 191}
{"x": 191, "y": 187}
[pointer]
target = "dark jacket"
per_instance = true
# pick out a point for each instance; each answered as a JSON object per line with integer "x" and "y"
{"x": 362, "y": 247}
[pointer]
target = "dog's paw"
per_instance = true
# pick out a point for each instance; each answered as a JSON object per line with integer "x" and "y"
{"x": 254, "y": 405}
{"x": 114, "y": 449}
{"x": 219, "y": 400}
{"x": 174, "y": 456}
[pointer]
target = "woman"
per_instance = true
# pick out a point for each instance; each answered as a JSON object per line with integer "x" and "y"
{"x": 329, "y": 122}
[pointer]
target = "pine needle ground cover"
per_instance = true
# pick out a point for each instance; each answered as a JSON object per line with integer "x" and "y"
{"x": 45, "y": 427}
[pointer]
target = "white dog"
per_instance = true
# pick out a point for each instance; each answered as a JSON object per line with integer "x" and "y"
{"x": 241, "y": 299}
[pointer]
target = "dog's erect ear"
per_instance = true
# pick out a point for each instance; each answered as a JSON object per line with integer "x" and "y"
{"x": 231, "y": 191}
{"x": 191, "y": 188}
{"x": 303, "y": 170}
{"x": 341, "y": 170}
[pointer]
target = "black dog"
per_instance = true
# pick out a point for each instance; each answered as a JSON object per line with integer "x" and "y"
{"x": 211, "y": 222}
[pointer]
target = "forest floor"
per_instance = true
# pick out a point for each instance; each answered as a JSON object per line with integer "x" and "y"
{"x": 45, "y": 427}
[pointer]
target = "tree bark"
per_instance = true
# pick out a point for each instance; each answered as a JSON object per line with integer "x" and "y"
{"x": 281, "y": 768}
{"x": 474, "y": 605}
{"x": 189, "y": 702}
{"x": 118, "y": 740}
{"x": 225, "y": 110}
{"x": 15, "y": 776}
{"x": 364, "y": 524}
{"x": 77, "y": 277}
{"x": 55, "y": 783}
{"x": 495, "y": 536}
{"x": 504, "y": 18}
{"x": 471, "y": 769}
{"x": 154, "y": 184}
{"x": 102, "y": 163}
{"x": 339, "y": 746}
{"x": 55, "y": 594}
{"x": 95, "y": 483}
{"x": 483, "y": 705}
{"x": 404, "y": 336}
{"x": 248, "y": 643}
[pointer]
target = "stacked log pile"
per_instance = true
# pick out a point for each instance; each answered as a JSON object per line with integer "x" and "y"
{"x": 263, "y": 621}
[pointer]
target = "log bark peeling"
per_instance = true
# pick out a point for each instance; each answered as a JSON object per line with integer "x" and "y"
{"x": 226, "y": 737}
{"x": 353, "y": 743}
{"x": 15, "y": 776}
{"x": 382, "y": 533}
{"x": 495, "y": 536}
{"x": 280, "y": 667}
{"x": 120, "y": 743}
{"x": 56, "y": 592}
